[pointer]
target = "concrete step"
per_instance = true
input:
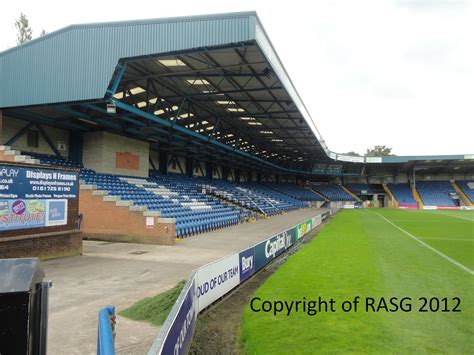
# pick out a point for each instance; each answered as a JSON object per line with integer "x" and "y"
{"x": 111, "y": 198}
{"x": 166, "y": 220}
{"x": 152, "y": 214}
{"x": 20, "y": 158}
{"x": 88, "y": 187}
{"x": 123, "y": 203}
{"x": 4, "y": 147}
{"x": 11, "y": 152}
{"x": 137, "y": 208}
{"x": 100, "y": 193}
{"x": 32, "y": 161}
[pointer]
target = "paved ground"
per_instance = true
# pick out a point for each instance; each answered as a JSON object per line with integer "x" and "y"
{"x": 109, "y": 273}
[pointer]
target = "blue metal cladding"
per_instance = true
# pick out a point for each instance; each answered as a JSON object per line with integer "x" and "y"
{"x": 77, "y": 62}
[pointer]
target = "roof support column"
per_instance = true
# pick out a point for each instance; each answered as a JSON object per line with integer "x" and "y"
{"x": 189, "y": 167}
{"x": 163, "y": 162}
{"x": 19, "y": 133}
{"x": 209, "y": 169}
{"x": 237, "y": 175}
{"x": 1, "y": 127}
{"x": 49, "y": 141}
{"x": 225, "y": 172}
{"x": 75, "y": 147}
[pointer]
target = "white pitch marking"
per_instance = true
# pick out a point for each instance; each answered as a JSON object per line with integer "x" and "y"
{"x": 467, "y": 240}
{"x": 452, "y": 261}
{"x": 450, "y": 215}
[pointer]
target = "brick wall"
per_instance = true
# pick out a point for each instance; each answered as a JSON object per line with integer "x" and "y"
{"x": 44, "y": 242}
{"x": 103, "y": 220}
{"x": 45, "y": 246}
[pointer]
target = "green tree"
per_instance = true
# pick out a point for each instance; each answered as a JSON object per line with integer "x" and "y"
{"x": 25, "y": 33}
{"x": 352, "y": 154}
{"x": 379, "y": 151}
{"x": 43, "y": 33}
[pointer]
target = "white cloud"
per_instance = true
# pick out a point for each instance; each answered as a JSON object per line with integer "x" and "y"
{"x": 370, "y": 72}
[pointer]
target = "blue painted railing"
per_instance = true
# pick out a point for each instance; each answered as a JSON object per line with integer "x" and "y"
{"x": 106, "y": 331}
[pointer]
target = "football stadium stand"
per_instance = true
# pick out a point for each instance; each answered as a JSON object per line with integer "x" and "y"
{"x": 402, "y": 194}
{"x": 333, "y": 192}
{"x": 172, "y": 196}
{"x": 467, "y": 187}
{"x": 251, "y": 196}
{"x": 295, "y": 191}
{"x": 436, "y": 193}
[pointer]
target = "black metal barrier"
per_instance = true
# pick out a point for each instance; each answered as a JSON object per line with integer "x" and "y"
{"x": 23, "y": 307}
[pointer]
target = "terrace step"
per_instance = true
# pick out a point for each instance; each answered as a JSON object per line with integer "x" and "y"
{"x": 151, "y": 213}
{"x": 137, "y": 208}
{"x": 461, "y": 194}
{"x": 19, "y": 158}
{"x": 87, "y": 187}
{"x": 100, "y": 193}
{"x": 123, "y": 203}
{"x": 11, "y": 152}
{"x": 111, "y": 198}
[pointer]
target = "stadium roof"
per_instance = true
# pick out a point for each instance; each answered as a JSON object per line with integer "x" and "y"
{"x": 211, "y": 87}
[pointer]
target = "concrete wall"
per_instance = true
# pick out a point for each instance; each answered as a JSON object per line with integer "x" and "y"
{"x": 431, "y": 177}
{"x": 199, "y": 168}
{"x": 12, "y": 125}
{"x": 155, "y": 157}
{"x": 174, "y": 167}
{"x": 110, "y": 153}
{"x": 217, "y": 172}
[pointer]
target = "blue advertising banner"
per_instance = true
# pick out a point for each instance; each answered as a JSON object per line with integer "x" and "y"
{"x": 269, "y": 249}
{"x": 246, "y": 263}
{"x": 56, "y": 213}
{"x": 33, "y": 183}
{"x": 178, "y": 340}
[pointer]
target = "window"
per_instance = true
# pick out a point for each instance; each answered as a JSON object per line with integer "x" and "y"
{"x": 32, "y": 139}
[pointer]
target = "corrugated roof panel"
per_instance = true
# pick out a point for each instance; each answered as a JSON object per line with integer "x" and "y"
{"x": 77, "y": 63}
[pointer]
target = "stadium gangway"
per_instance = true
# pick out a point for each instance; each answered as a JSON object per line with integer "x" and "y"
{"x": 264, "y": 213}
{"x": 106, "y": 331}
{"x": 269, "y": 202}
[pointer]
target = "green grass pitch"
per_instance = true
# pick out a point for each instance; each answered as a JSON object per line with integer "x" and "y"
{"x": 361, "y": 254}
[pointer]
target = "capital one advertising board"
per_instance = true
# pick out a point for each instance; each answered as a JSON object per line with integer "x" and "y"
{"x": 216, "y": 279}
{"x": 269, "y": 249}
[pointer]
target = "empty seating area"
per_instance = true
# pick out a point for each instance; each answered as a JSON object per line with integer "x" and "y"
{"x": 257, "y": 198}
{"x": 52, "y": 160}
{"x": 436, "y": 193}
{"x": 333, "y": 192}
{"x": 295, "y": 191}
{"x": 465, "y": 186}
{"x": 172, "y": 196}
{"x": 403, "y": 194}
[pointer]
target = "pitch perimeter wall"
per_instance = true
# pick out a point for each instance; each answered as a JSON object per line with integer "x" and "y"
{"x": 214, "y": 280}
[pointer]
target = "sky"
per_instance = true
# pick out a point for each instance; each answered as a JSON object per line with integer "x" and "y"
{"x": 398, "y": 73}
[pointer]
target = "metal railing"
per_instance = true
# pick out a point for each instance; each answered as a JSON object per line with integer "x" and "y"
{"x": 106, "y": 331}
